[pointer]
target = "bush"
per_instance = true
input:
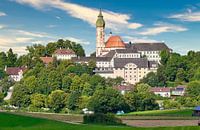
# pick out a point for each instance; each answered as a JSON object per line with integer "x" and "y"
{"x": 106, "y": 119}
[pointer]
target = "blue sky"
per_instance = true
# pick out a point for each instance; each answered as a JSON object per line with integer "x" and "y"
{"x": 26, "y": 22}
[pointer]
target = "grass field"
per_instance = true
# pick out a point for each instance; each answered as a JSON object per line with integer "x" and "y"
{"x": 17, "y": 122}
{"x": 177, "y": 112}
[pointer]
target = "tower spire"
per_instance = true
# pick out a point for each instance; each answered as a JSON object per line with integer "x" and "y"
{"x": 100, "y": 21}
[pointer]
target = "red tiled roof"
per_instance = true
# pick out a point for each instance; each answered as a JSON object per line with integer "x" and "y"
{"x": 160, "y": 89}
{"x": 46, "y": 60}
{"x": 14, "y": 70}
{"x": 64, "y": 51}
{"x": 123, "y": 88}
{"x": 115, "y": 42}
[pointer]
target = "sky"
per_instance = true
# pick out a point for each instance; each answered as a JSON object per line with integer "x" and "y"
{"x": 27, "y": 22}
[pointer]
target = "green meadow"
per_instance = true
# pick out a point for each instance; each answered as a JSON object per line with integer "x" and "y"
{"x": 175, "y": 112}
{"x": 17, "y": 122}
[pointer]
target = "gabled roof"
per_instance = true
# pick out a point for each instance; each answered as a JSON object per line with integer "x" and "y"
{"x": 127, "y": 50}
{"x": 14, "y": 70}
{"x": 64, "y": 52}
{"x": 46, "y": 60}
{"x": 160, "y": 89}
{"x": 121, "y": 62}
{"x": 151, "y": 46}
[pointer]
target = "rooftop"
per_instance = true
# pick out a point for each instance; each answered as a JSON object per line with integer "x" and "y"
{"x": 46, "y": 60}
{"x": 64, "y": 52}
{"x": 150, "y": 46}
{"x": 160, "y": 89}
{"x": 14, "y": 70}
{"x": 115, "y": 42}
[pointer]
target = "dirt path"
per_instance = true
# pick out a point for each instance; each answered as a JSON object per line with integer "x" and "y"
{"x": 156, "y": 123}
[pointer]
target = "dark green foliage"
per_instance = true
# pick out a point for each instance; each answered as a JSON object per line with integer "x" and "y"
{"x": 141, "y": 99}
{"x": 5, "y": 84}
{"x": 21, "y": 96}
{"x": 73, "y": 99}
{"x": 175, "y": 68}
{"x": 193, "y": 89}
{"x": 38, "y": 100}
{"x": 57, "y": 100}
{"x": 103, "y": 119}
{"x": 1, "y": 98}
{"x": 11, "y": 58}
{"x": 108, "y": 100}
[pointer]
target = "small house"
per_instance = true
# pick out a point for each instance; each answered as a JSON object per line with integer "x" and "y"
{"x": 179, "y": 90}
{"x": 64, "y": 54}
{"x": 15, "y": 73}
{"x": 162, "y": 91}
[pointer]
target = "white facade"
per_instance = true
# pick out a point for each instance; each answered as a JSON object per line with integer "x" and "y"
{"x": 163, "y": 94}
{"x": 151, "y": 55}
{"x": 64, "y": 56}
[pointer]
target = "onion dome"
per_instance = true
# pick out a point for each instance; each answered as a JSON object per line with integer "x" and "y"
{"x": 100, "y": 21}
{"x": 115, "y": 42}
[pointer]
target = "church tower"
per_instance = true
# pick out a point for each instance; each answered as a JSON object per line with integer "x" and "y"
{"x": 100, "y": 34}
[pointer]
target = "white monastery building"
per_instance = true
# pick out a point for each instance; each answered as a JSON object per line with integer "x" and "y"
{"x": 115, "y": 58}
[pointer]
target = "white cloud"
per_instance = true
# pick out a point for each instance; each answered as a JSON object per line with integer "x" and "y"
{"x": 115, "y": 21}
{"x": 2, "y": 14}
{"x": 18, "y": 50}
{"x": 19, "y": 39}
{"x": 162, "y": 28}
{"x": 2, "y": 26}
{"x": 51, "y": 26}
{"x": 77, "y": 40}
{"x": 58, "y": 17}
{"x": 32, "y": 34}
{"x": 139, "y": 40}
{"x": 188, "y": 16}
{"x": 134, "y": 25}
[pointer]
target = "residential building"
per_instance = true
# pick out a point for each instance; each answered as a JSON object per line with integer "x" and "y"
{"x": 64, "y": 54}
{"x": 179, "y": 90}
{"x": 162, "y": 91}
{"x": 15, "y": 73}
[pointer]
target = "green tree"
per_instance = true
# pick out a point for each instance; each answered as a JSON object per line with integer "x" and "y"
{"x": 20, "y": 96}
{"x": 151, "y": 79}
{"x": 193, "y": 89}
{"x": 3, "y": 60}
{"x": 38, "y": 100}
{"x": 164, "y": 56}
{"x": 66, "y": 83}
{"x": 73, "y": 100}
{"x": 57, "y": 100}
{"x": 76, "y": 84}
{"x": 108, "y": 100}
{"x": 180, "y": 76}
{"x": 1, "y": 98}
{"x": 11, "y": 58}
{"x": 54, "y": 80}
